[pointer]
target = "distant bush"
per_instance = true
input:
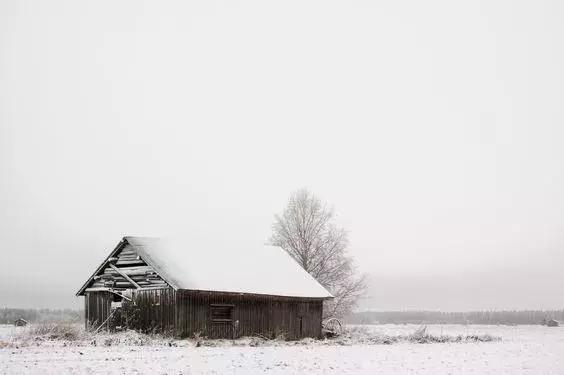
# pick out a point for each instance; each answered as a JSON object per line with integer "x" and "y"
{"x": 421, "y": 336}
{"x": 361, "y": 335}
{"x": 54, "y": 331}
{"x": 47, "y": 332}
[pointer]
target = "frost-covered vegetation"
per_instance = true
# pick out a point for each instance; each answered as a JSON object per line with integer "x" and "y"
{"x": 532, "y": 349}
{"x": 51, "y": 331}
{"x": 362, "y": 335}
{"x": 308, "y": 232}
{"x": 66, "y": 334}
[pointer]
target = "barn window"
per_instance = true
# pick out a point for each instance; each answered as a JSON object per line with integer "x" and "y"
{"x": 221, "y": 313}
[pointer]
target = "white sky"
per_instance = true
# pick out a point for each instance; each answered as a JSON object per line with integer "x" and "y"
{"x": 435, "y": 129}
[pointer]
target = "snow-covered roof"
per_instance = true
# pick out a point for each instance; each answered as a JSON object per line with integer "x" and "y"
{"x": 266, "y": 270}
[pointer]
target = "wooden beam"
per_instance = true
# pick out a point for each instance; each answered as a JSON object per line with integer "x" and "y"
{"x": 117, "y": 249}
{"x": 105, "y": 321}
{"x": 125, "y": 276}
{"x": 111, "y": 290}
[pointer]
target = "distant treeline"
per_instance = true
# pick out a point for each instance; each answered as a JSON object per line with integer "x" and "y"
{"x": 8, "y": 315}
{"x": 472, "y": 317}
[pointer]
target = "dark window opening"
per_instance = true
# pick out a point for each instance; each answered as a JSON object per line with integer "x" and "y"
{"x": 221, "y": 313}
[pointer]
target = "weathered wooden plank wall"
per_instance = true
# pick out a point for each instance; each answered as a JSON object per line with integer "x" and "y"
{"x": 157, "y": 309}
{"x": 184, "y": 313}
{"x": 265, "y": 315}
{"x": 97, "y": 308}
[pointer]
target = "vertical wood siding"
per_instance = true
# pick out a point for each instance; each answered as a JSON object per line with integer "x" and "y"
{"x": 157, "y": 309}
{"x": 184, "y": 313}
{"x": 97, "y": 308}
{"x": 257, "y": 315}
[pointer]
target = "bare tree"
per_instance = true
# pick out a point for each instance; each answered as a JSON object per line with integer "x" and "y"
{"x": 306, "y": 230}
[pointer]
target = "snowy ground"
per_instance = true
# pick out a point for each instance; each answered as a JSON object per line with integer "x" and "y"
{"x": 523, "y": 350}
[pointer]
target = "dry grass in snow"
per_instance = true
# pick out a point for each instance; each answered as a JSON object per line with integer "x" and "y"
{"x": 61, "y": 334}
{"x": 356, "y": 335}
{"x": 378, "y": 349}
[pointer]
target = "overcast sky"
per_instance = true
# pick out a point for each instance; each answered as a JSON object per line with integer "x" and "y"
{"x": 435, "y": 129}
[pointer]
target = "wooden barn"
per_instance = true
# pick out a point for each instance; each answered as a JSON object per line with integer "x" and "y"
{"x": 162, "y": 286}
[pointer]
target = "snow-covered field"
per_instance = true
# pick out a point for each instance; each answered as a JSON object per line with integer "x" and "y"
{"x": 523, "y": 350}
